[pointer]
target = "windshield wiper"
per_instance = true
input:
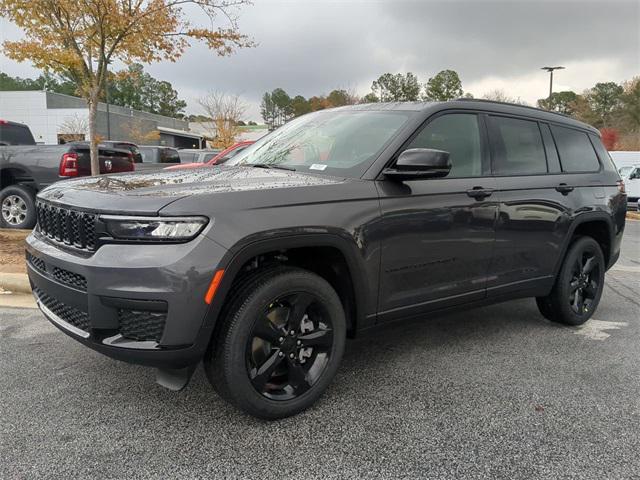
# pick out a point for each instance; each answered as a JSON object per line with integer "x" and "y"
{"x": 269, "y": 166}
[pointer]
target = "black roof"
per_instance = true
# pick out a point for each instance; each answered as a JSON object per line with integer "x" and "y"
{"x": 474, "y": 104}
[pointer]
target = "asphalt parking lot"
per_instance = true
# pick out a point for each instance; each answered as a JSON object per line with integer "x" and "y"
{"x": 497, "y": 392}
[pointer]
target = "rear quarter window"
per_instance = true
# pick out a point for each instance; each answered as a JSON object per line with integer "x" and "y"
{"x": 603, "y": 155}
{"x": 575, "y": 150}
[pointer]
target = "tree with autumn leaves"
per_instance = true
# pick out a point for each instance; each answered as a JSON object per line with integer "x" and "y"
{"x": 81, "y": 38}
{"x": 613, "y": 108}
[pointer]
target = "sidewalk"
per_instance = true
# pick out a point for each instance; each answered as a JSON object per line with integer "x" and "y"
{"x": 15, "y": 291}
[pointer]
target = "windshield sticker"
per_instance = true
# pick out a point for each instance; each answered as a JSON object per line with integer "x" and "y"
{"x": 317, "y": 166}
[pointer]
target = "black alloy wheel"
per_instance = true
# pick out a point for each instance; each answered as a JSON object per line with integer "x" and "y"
{"x": 290, "y": 346}
{"x": 578, "y": 286}
{"x": 279, "y": 342}
{"x": 585, "y": 283}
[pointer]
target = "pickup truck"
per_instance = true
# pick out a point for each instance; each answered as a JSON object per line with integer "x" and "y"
{"x": 26, "y": 168}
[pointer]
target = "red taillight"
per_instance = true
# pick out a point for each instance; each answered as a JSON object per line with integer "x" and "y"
{"x": 621, "y": 187}
{"x": 133, "y": 165}
{"x": 69, "y": 165}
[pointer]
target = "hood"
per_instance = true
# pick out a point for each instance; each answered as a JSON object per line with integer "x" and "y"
{"x": 147, "y": 193}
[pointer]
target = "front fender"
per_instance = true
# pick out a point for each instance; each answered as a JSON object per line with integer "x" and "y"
{"x": 280, "y": 240}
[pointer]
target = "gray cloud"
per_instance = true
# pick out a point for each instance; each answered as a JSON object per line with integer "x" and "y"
{"x": 311, "y": 47}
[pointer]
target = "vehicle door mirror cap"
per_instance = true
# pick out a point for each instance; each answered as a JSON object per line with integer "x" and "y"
{"x": 417, "y": 163}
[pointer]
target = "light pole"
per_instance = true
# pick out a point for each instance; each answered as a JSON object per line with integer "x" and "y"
{"x": 550, "y": 70}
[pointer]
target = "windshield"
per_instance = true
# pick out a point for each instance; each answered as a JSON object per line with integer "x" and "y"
{"x": 340, "y": 143}
{"x": 624, "y": 171}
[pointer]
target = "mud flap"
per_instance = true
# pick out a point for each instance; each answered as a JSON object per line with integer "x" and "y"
{"x": 175, "y": 379}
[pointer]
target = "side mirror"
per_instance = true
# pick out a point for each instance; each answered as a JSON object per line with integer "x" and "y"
{"x": 417, "y": 163}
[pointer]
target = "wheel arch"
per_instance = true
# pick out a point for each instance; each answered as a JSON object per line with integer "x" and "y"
{"x": 16, "y": 176}
{"x": 597, "y": 225}
{"x": 247, "y": 250}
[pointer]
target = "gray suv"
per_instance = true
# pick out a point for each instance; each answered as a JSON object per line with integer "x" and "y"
{"x": 337, "y": 222}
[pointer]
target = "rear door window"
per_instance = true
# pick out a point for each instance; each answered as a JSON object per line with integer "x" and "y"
{"x": 517, "y": 147}
{"x": 575, "y": 150}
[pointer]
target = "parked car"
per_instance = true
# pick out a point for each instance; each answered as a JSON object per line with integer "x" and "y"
{"x": 26, "y": 168}
{"x": 131, "y": 147}
{"x": 156, "y": 157}
{"x": 218, "y": 159}
{"x": 192, "y": 155}
{"x": 632, "y": 184}
{"x": 625, "y": 171}
{"x": 339, "y": 221}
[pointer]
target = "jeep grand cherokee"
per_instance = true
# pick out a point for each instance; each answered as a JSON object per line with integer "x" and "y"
{"x": 338, "y": 221}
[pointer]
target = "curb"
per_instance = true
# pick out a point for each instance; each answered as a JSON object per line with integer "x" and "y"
{"x": 15, "y": 282}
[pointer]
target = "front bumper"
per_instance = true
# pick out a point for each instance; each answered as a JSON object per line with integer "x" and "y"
{"x": 138, "y": 303}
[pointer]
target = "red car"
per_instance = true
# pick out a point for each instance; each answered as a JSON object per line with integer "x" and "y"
{"x": 219, "y": 159}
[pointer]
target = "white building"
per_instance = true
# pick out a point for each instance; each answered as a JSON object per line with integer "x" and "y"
{"x": 53, "y": 117}
{"x": 208, "y": 130}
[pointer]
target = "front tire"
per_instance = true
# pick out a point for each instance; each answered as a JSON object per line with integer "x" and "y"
{"x": 280, "y": 342}
{"x": 17, "y": 207}
{"x": 579, "y": 285}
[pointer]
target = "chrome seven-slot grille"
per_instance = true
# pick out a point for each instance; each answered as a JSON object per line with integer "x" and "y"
{"x": 67, "y": 226}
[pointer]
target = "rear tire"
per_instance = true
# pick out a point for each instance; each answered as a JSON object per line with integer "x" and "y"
{"x": 578, "y": 288}
{"x": 17, "y": 207}
{"x": 279, "y": 344}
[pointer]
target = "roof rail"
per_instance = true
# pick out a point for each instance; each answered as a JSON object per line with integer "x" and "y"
{"x": 466, "y": 99}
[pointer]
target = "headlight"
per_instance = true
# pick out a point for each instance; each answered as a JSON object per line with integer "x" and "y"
{"x": 177, "y": 229}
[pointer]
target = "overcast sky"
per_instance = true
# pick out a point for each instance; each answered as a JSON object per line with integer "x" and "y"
{"x": 311, "y": 47}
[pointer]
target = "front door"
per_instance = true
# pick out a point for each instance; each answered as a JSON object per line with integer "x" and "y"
{"x": 437, "y": 235}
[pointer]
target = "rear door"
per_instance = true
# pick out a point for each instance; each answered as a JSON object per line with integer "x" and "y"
{"x": 537, "y": 202}
{"x": 437, "y": 234}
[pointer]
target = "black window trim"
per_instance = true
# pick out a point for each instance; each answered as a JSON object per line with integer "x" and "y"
{"x": 485, "y": 157}
{"x": 548, "y": 144}
{"x": 487, "y": 147}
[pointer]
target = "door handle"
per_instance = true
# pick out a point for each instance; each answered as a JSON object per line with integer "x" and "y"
{"x": 479, "y": 193}
{"x": 564, "y": 189}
